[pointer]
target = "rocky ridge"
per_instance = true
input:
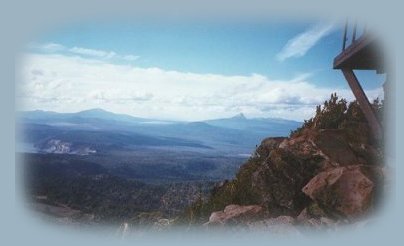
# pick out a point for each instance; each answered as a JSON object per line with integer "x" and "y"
{"x": 327, "y": 173}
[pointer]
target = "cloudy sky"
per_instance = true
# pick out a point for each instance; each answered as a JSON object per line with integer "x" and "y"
{"x": 187, "y": 71}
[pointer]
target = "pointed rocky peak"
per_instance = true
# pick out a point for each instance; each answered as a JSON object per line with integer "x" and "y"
{"x": 239, "y": 116}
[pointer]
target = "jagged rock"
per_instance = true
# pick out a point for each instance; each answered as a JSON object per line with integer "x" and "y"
{"x": 278, "y": 182}
{"x": 301, "y": 145}
{"x": 346, "y": 191}
{"x": 267, "y": 145}
{"x": 235, "y": 214}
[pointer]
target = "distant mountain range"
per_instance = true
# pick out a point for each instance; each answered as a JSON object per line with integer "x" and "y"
{"x": 97, "y": 130}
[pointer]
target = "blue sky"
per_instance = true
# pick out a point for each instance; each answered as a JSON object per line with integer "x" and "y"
{"x": 263, "y": 59}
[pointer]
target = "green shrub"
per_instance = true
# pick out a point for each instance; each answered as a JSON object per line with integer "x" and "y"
{"x": 336, "y": 113}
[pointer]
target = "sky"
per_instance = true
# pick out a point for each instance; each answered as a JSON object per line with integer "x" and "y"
{"x": 187, "y": 71}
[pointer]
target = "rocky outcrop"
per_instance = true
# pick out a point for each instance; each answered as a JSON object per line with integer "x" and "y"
{"x": 291, "y": 164}
{"x": 267, "y": 145}
{"x": 328, "y": 172}
{"x": 286, "y": 175}
{"x": 317, "y": 177}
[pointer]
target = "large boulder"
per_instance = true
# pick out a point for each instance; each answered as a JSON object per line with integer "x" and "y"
{"x": 344, "y": 191}
{"x": 235, "y": 214}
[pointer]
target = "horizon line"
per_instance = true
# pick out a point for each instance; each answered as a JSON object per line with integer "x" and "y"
{"x": 240, "y": 115}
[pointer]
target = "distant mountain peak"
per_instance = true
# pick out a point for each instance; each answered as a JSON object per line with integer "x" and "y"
{"x": 240, "y": 116}
{"x": 95, "y": 110}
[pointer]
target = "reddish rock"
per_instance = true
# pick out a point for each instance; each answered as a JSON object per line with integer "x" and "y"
{"x": 347, "y": 191}
{"x": 217, "y": 218}
{"x": 335, "y": 146}
{"x": 234, "y": 214}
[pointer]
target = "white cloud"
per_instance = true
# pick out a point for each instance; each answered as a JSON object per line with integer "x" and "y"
{"x": 48, "y": 47}
{"x": 67, "y": 84}
{"x": 92, "y": 53}
{"x": 130, "y": 57}
{"x": 300, "y": 44}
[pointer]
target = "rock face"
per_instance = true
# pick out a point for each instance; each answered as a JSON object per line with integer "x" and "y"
{"x": 349, "y": 190}
{"x": 235, "y": 214}
{"x": 278, "y": 179}
{"x": 286, "y": 175}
